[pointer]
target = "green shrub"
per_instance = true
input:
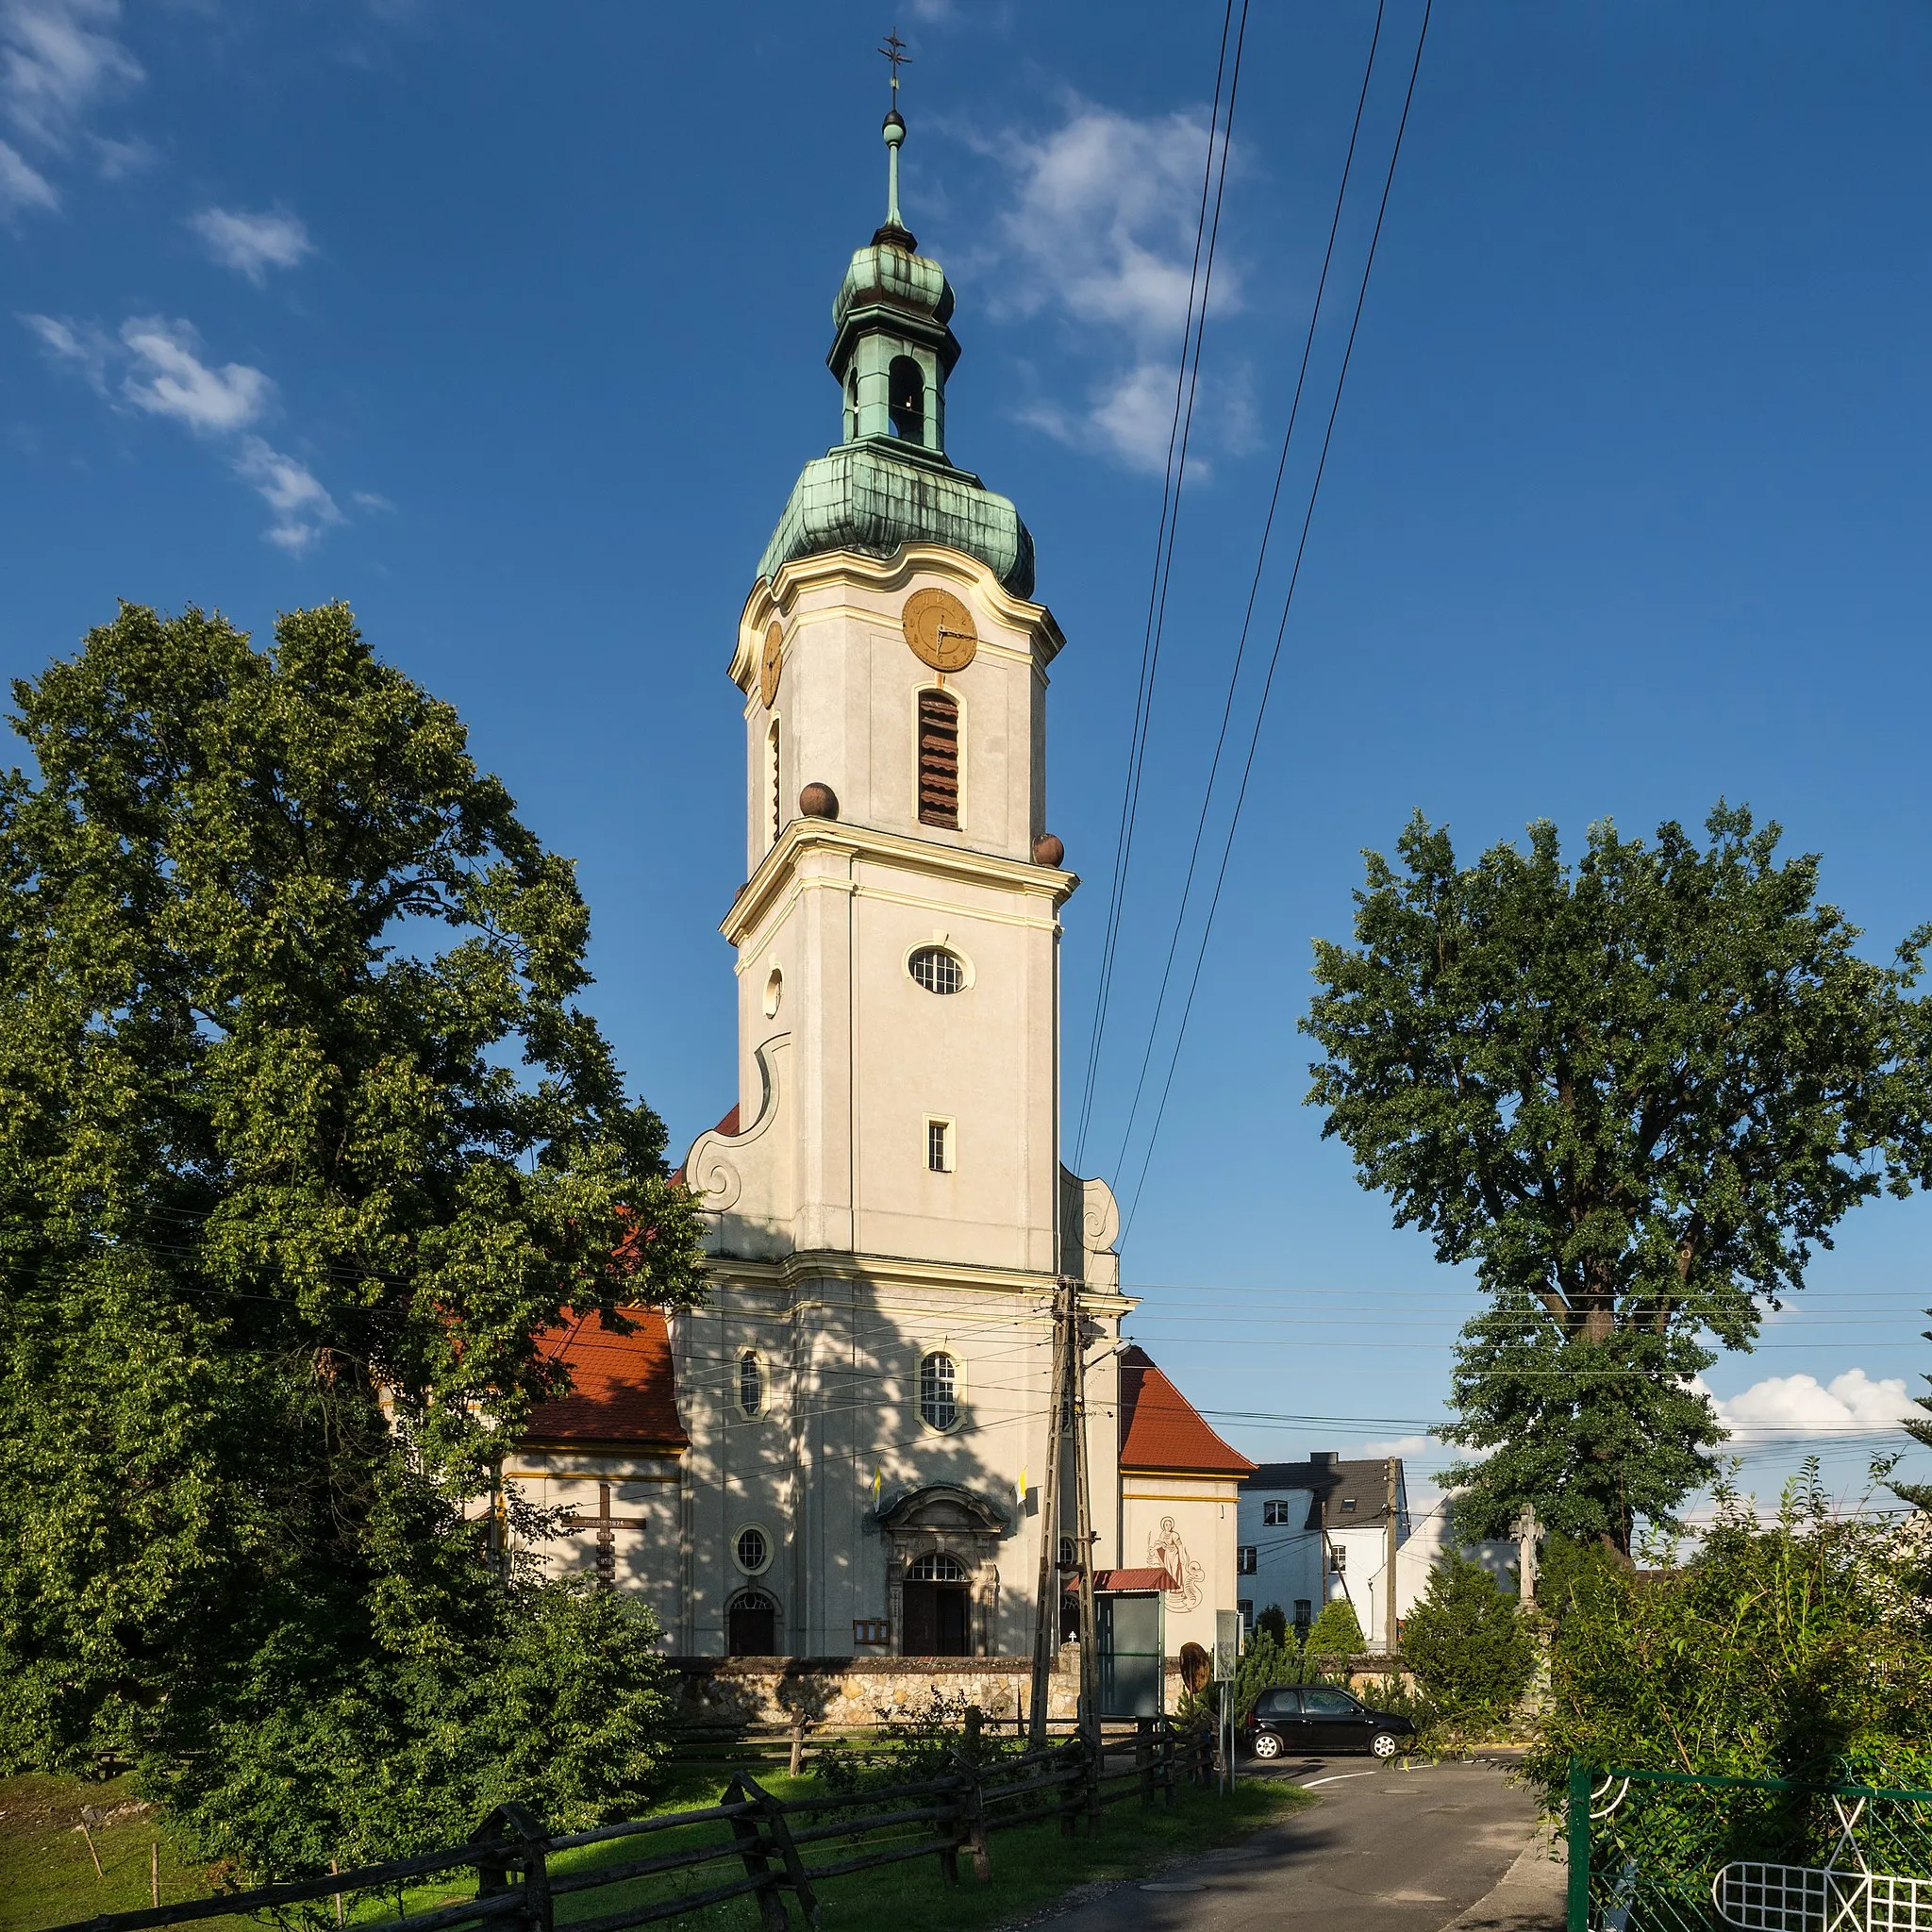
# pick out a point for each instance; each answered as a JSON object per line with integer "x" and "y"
{"x": 1468, "y": 1643}
{"x": 1794, "y": 1649}
{"x": 1273, "y": 1621}
{"x": 1337, "y": 1632}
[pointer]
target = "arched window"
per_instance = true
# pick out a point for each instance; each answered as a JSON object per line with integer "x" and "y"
{"x": 939, "y": 1391}
{"x": 937, "y": 1568}
{"x": 772, "y": 784}
{"x": 938, "y": 759}
{"x": 751, "y": 1383}
{"x": 851, "y": 403}
{"x": 751, "y": 1626}
{"x": 905, "y": 391}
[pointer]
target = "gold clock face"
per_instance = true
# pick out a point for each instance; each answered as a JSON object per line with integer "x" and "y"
{"x": 771, "y": 664}
{"x": 940, "y": 631}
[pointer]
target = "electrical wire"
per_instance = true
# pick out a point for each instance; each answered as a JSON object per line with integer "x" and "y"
{"x": 1281, "y": 629}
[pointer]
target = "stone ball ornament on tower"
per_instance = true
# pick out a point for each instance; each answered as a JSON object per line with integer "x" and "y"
{"x": 1049, "y": 850}
{"x": 818, "y": 801}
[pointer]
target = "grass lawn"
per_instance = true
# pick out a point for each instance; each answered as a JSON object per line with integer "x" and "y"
{"x": 47, "y": 1878}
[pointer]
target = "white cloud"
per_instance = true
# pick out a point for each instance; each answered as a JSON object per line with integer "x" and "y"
{"x": 252, "y": 244}
{"x": 303, "y": 508}
{"x": 79, "y": 343}
{"x": 60, "y": 60}
{"x": 22, "y": 186}
{"x": 368, "y": 499}
{"x": 1101, "y": 229}
{"x": 1849, "y": 1404}
{"x": 163, "y": 372}
{"x": 171, "y": 379}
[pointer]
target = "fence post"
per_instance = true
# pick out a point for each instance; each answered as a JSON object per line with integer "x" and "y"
{"x": 1167, "y": 1759}
{"x": 1143, "y": 1757}
{"x": 1072, "y": 1752}
{"x": 523, "y": 1840}
{"x": 797, "y": 1764}
{"x": 752, "y": 1845}
{"x": 1578, "y": 1824}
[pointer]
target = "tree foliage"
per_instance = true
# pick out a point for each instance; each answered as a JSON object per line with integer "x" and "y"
{"x": 1919, "y": 1428}
{"x": 1793, "y": 1649}
{"x": 1336, "y": 1631}
{"x": 1470, "y": 1649}
{"x": 1635, "y": 1094}
{"x": 304, "y": 1138}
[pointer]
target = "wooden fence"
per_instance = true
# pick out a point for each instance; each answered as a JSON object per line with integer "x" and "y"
{"x": 945, "y": 1817}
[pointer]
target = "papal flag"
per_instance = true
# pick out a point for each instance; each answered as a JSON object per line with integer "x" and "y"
{"x": 878, "y": 1483}
{"x": 1022, "y": 1489}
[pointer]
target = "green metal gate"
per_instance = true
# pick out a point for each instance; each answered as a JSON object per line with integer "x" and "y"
{"x": 1659, "y": 1851}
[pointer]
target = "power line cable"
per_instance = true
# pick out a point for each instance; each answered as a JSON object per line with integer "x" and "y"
{"x": 1187, "y": 383}
{"x": 1254, "y": 589}
{"x": 1281, "y": 629}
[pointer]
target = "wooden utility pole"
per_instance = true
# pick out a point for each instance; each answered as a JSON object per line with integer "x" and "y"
{"x": 1392, "y": 1545}
{"x": 1083, "y": 1521}
{"x": 1046, "y": 1628}
{"x": 1066, "y": 1414}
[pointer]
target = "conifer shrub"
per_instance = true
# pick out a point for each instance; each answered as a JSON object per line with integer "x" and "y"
{"x": 1469, "y": 1646}
{"x": 1337, "y": 1632}
{"x": 1273, "y": 1621}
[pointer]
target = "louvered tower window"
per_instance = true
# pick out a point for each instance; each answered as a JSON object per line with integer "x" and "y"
{"x": 938, "y": 759}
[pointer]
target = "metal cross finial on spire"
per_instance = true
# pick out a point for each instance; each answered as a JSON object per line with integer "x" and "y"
{"x": 894, "y": 130}
{"x": 894, "y": 51}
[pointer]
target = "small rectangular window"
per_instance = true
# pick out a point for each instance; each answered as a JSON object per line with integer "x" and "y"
{"x": 869, "y": 1630}
{"x": 939, "y": 1146}
{"x": 1274, "y": 1515}
{"x": 1348, "y": 1506}
{"x": 1338, "y": 1558}
{"x": 1245, "y": 1557}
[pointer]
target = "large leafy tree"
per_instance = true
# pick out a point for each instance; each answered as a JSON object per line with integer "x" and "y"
{"x": 304, "y": 1139}
{"x": 1919, "y": 1428}
{"x": 1635, "y": 1094}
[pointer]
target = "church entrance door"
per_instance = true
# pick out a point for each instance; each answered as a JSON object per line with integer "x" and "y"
{"x": 939, "y": 1617}
{"x": 752, "y": 1625}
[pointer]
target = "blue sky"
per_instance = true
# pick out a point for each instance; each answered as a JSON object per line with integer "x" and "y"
{"x": 508, "y": 326}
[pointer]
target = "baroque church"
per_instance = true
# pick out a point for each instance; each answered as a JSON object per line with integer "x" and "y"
{"x": 841, "y": 1453}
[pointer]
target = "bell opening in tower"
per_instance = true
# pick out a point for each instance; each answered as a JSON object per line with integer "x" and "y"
{"x": 906, "y": 385}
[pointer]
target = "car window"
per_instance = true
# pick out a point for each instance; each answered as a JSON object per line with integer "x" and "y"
{"x": 1279, "y": 1702}
{"x": 1330, "y": 1704}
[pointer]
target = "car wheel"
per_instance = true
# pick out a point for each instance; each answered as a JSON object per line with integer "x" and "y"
{"x": 1385, "y": 1744}
{"x": 1267, "y": 1744}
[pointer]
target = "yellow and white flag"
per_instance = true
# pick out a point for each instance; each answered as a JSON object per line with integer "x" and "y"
{"x": 1022, "y": 1489}
{"x": 878, "y": 1483}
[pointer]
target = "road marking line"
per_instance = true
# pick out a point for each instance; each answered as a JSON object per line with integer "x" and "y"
{"x": 1335, "y": 1778}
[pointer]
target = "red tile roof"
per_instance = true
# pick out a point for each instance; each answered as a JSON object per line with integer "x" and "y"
{"x": 1161, "y": 1429}
{"x": 624, "y": 1386}
{"x": 1127, "y": 1579}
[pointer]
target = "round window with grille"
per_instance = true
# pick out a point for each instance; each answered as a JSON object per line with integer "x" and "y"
{"x": 753, "y": 1550}
{"x": 936, "y": 970}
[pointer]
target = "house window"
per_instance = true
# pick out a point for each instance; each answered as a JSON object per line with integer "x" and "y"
{"x": 1274, "y": 1515}
{"x": 751, "y": 1383}
{"x": 1338, "y": 1559}
{"x": 1348, "y": 1506}
{"x": 939, "y": 1382}
{"x": 870, "y": 1630}
{"x": 936, "y": 970}
{"x": 753, "y": 1550}
{"x": 938, "y": 759}
{"x": 939, "y": 1146}
{"x": 772, "y": 787}
{"x": 905, "y": 388}
{"x": 1245, "y": 1557}
{"x": 1247, "y": 1607}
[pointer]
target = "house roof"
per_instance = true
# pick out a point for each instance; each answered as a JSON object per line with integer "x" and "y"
{"x": 1339, "y": 1494}
{"x": 623, "y": 1388}
{"x": 1161, "y": 1429}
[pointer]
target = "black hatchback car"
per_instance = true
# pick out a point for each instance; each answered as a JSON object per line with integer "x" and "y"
{"x": 1311, "y": 1718}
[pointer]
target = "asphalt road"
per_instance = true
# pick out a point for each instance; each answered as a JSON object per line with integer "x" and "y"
{"x": 1385, "y": 1851}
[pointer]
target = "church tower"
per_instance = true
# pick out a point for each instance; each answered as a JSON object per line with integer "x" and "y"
{"x": 839, "y": 1456}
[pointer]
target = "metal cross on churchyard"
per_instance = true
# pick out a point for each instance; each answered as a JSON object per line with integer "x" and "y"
{"x": 607, "y": 1526}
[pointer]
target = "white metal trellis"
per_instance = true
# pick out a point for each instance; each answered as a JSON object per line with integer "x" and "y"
{"x": 1833, "y": 1897}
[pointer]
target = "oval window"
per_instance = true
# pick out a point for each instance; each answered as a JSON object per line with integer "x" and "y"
{"x": 936, "y": 970}
{"x": 752, "y": 1549}
{"x": 939, "y": 1391}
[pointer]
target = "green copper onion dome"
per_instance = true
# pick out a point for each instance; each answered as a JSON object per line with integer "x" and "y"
{"x": 889, "y": 481}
